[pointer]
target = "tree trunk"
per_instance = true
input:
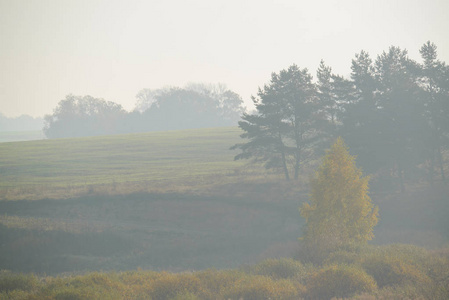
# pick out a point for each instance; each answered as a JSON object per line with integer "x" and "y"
{"x": 297, "y": 163}
{"x": 284, "y": 162}
{"x": 431, "y": 167}
{"x": 297, "y": 155}
{"x": 440, "y": 162}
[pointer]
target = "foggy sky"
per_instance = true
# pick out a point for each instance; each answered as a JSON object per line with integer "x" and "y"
{"x": 113, "y": 49}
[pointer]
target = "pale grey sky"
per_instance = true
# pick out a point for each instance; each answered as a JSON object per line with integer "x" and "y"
{"x": 112, "y": 49}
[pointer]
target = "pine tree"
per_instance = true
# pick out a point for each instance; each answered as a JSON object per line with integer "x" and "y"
{"x": 340, "y": 211}
{"x": 281, "y": 132}
{"x": 434, "y": 82}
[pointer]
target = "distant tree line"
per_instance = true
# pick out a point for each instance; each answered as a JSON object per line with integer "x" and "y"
{"x": 21, "y": 123}
{"x": 195, "y": 106}
{"x": 392, "y": 112}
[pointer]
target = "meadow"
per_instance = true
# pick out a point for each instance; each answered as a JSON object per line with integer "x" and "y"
{"x": 171, "y": 215}
{"x": 173, "y": 161}
{"x": 163, "y": 201}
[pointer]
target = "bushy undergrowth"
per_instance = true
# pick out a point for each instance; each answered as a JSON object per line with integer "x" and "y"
{"x": 278, "y": 268}
{"x": 391, "y": 270}
{"x": 400, "y": 269}
{"x": 23, "y": 282}
{"x": 386, "y": 272}
{"x": 262, "y": 287}
{"x": 340, "y": 281}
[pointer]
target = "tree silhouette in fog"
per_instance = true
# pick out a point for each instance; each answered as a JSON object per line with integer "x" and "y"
{"x": 393, "y": 113}
{"x": 435, "y": 92}
{"x": 77, "y": 116}
{"x": 196, "y": 106}
{"x": 283, "y": 130}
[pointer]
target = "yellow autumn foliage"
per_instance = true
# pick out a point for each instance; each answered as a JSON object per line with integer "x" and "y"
{"x": 340, "y": 211}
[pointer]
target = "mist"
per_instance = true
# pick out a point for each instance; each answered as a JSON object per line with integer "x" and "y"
{"x": 224, "y": 150}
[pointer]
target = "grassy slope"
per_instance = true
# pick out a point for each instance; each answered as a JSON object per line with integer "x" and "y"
{"x": 176, "y": 200}
{"x": 174, "y": 161}
{"x": 166, "y": 200}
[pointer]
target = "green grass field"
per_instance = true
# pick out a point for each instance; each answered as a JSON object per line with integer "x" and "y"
{"x": 162, "y": 200}
{"x": 177, "y": 200}
{"x": 174, "y": 161}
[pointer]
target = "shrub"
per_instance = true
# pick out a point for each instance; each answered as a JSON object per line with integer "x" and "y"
{"x": 216, "y": 281}
{"x": 185, "y": 296}
{"x": 407, "y": 253}
{"x": 348, "y": 253}
{"x": 72, "y": 294}
{"x": 138, "y": 284}
{"x": 400, "y": 269}
{"x": 14, "y": 295}
{"x": 107, "y": 280}
{"x": 392, "y": 270}
{"x": 397, "y": 265}
{"x": 339, "y": 281}
{"x": 406, "y": 292}
{"x": 169, "y": 286}
{"x": 342, "y": 257}
{"x": 10, "y": 281}
{"x": 261, "y": 287}
{"x": 438, "y": 272}
{"x": 90, "y": 286}
{"x": 278, "y": 268}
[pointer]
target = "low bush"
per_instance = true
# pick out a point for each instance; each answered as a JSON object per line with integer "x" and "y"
{"x": 307, "y": 253}
{"x": 185, "y": 296}
{"x": 71, "y": 294}
{"x": 340, "y": 281}
{"x": 262, "y": 287}
{"x": 12, "y": 281}
{"x": 217, "y": 281}
{"x": 278, "y": 268}
{"x": 342, "y": 257}
{"x": 317, "y": 254}
{"x": 170, "y": 285}
{"x": 371, "y": 272}
{"x": 391, "y": 270}
{"x": 90, "y": 286}
{"x": 137, "y": 284}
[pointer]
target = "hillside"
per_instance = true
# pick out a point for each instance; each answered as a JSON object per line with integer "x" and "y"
{"x": 172, "y": 161}
{"x": 163, "y": 200}
{"x": 168, "y": 201}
